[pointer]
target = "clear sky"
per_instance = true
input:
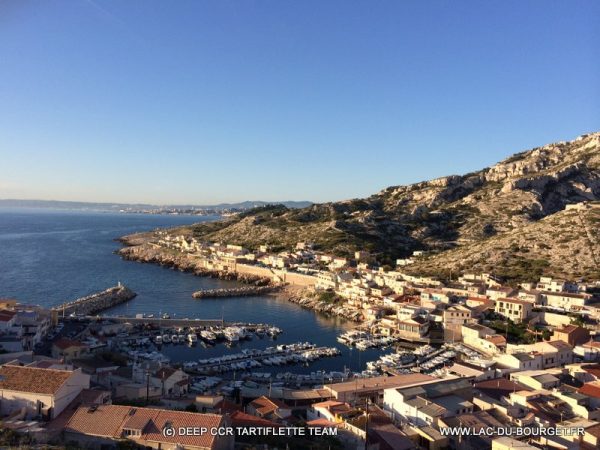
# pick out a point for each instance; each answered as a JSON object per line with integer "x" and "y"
{"x": 209, "y": 101}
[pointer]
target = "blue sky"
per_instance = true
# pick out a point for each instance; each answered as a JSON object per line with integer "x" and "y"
{"x": 202, "y": 102}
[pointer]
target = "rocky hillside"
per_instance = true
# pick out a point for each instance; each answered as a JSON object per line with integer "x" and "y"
{"x": 484, "y": 219}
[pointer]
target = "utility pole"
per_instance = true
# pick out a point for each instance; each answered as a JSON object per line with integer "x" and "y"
{"x": 147, "y": 386}
{"x": 367, "y": 424}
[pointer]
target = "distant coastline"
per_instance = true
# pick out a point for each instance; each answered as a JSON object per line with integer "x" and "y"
{"x": 221, "y": 209}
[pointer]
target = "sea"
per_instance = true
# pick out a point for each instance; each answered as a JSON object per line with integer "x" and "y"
{"x": 51, "y": 256}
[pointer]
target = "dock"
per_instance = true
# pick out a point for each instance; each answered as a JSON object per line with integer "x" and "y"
{"x": 95, "y": 303}
{"x": 167, "y": 323}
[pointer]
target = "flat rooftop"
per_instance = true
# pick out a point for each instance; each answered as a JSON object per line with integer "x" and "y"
{"x": 383, "y": 382}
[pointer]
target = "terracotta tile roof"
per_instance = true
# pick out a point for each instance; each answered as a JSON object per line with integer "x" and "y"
{"x": 139, "y": 418}
{"x": 226, "y": 407}
{"x": 241, "y": 419}
{"x": 32, "y": 379}
{"x": 498, "y": 387}
{"x": 264, "y": 405}
{"x": 178, "y": 419}
{"x": 322, "y": 422}
{"x": 327, "y": 404}
{"x": 568, "y": 329}
{"x": 164, "y": 372}
{"x": 104, "y": 420}
{"x": 110, "y": 420}
{"x": 64, "y": 343}
{"x": 591, "y": 389}
{"x": 593, "y": 369}
{"x": 6, "y": 316}
{"x": 594, "y": 431}
{"x": 496, "y": 339}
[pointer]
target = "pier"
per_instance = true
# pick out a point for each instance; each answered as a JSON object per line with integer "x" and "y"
{"x": 246, "y": 291}
{"x": 298, "y": 353}
{"x": 160, "y": 322}
{"x": 95, "y": 303}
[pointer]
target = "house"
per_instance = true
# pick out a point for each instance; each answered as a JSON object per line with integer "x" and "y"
{"x": 556, "y": 285}
{"x": 453, "y": 318}
{"x": 564, "y": 300}
{"x": 331, "y": 410}
{"x": 571, "y": 334}
{"x": 270, "y": 409}
{"x": 589, "y": 351}
{"x": 68, "y": 349}
{"x": 35, "y": 323}
{"x": 492, "y": 392}
{"x": 424, "y": 405}
{"x": 496, "y": 293}
{"x": 38, "y": 391}
{"x": 520, "y": 361}
{"x": 554, "y": 353}
{"x": 536, "y": 379}
{"x": 413, "y": 329}
{"x": 514, "y": 309}
{"x": 170, "y": 381}
{"x": 106, "y": 426}
{"x": 8, "y": 320}
{"x": 483, "y": 339}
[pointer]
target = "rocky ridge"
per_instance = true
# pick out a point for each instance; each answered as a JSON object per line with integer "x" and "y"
{"x": 518, "y": 202}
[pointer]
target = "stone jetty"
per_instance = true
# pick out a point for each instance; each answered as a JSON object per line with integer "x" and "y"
{"x": 236, "y": 292}
{"x": 95, "y": 303}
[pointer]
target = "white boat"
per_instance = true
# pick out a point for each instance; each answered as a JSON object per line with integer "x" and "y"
{"x": 174, "y": 339}
{"x": 192, "y": 338}
{"x": 232, "y": 334}
{"x": 166, "y": 338}
{"x": 158, "y": 340}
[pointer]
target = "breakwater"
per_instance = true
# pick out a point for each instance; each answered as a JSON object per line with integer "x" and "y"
{"x": 236, "y": 292}
{"x": 95, "y": 303}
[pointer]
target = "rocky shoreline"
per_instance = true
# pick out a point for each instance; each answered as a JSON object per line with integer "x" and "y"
{"x": 145, "y": 254}
{"x": 328, "y": 308}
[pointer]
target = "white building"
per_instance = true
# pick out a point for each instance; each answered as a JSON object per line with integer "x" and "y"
{"x": 40, "y": 392}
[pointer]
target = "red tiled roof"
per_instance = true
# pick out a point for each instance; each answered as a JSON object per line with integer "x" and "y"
{"x": 110, "y": 420}
{"x": 241, "y": 419}
{"x": 591, "y": 389}
{"x": 265, "y": 405}
{"x": 64, "y": 343}
{"x": 226, "y": 407}
{"x": 33, "y": 379}
{"x": 496, "y": 339}
{"x": 164, "y": 372}
{"x": 322, "y": 422}
{"x": 6, "y": 315}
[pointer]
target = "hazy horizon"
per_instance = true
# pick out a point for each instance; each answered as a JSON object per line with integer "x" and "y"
{"x": 206, "y": 103}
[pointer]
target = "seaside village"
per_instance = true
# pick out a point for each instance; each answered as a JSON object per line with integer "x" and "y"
{"x": 474, "y": 353}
